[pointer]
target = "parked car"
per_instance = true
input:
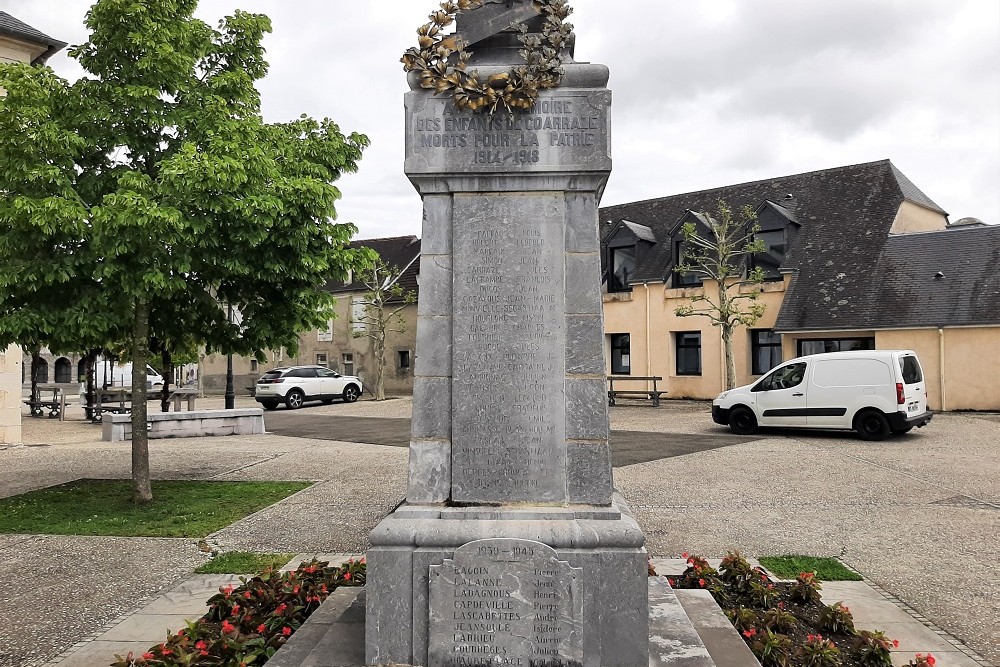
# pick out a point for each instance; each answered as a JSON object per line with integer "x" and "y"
{"x": 874, "y": 392}
{"x": 295, "y": 385}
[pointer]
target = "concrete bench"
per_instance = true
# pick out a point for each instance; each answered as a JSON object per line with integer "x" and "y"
{"x": 243, "y": 421}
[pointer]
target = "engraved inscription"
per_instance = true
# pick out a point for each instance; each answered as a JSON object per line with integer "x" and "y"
{"x": 565, "y": 132}
{"x": 508, "y": 428}
{"x": 505, "y": 602}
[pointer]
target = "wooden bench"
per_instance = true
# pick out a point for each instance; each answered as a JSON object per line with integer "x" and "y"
{"x": 651, "y": 394}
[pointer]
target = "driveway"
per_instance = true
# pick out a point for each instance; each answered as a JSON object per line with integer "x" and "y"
{"x": 917, "y": 515}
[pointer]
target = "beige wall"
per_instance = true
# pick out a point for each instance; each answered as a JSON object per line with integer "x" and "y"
{"x": 971, "y": 364}
{"x": 914, "y": 218}
{"x": 15, "y": 51}
{"x": 627, "y": 313}
{"x": 10, "y": 395}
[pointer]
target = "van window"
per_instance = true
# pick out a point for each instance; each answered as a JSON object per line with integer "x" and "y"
{"x": 785, "y": 377}
{"x": 851, "y": 373}
{"x": 911, "y": 370}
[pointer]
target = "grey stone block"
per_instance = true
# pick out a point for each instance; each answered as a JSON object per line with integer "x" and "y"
{"x": 437, "y": 225}
{"x": 583, "y": 283}
{"x": 585, "y": 345}
{"x": 586, "y": 409}
{"x": 435, "y": 285}
{"x": 590, "y": 478}
{"x": 673, "y": 640}
{"x": 430, "y": 472}
{"x": 623, "y": 602}
{"x": 389, "y": 605}
{"x": 431, "y": 408}
{"x": 581, "y": 222}
{"x": 433, "y": 347}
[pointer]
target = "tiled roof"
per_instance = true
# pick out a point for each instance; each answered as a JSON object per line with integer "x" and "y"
{"x": 12, "y": 27}
{"x": 946, "y": 278}
{"x": 845, "y": 215}
{"x": 400, "y": 252}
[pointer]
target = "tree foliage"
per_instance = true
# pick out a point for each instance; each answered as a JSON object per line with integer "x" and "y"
{"x": 720, "y": 257}
{"x": 384, "y": 301}
{"x": 146, "y": 196}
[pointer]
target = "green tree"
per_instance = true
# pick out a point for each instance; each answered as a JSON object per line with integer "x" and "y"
{"x": 156, "y": 179}
{"x": 384, "y": 301}
{"x": 731, "y": 297}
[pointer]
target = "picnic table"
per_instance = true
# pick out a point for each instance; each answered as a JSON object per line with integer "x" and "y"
{"x": 179, "y": 394}
{"x": 56, "y": 406}
{"x": 652, "y": 394}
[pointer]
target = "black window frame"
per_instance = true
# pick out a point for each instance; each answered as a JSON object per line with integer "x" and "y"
{"x": 755, "y": 259}
{"x": 680, "y": 279}
{"x": 756, "y": 346}
{"x": 834, "y": 344}
{"x": 616, "y": 283}
{"x": 404, "y": 356}
{"x": 681, "y": 344}
{"x": 617, "y": 348}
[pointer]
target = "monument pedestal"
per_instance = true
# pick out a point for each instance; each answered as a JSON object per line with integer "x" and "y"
{"x": 604, "y": 545}
{"x": 511, "y": 547}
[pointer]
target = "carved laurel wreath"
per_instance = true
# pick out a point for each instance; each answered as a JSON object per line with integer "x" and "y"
{"x": 442, "y": 60}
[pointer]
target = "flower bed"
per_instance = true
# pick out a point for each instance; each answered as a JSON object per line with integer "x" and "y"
{"x": 246, "y": 625}
{"x": 786, "y": 624}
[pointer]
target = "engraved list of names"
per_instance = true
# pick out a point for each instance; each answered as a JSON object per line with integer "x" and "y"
{"x": 505, "y": 602}
{"x": 509, "y": 421}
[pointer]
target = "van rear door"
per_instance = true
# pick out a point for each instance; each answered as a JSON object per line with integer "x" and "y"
{"x": 914, "y": 394}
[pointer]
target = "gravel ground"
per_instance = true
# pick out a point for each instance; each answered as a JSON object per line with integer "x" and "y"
{"x": 917, "y": 515}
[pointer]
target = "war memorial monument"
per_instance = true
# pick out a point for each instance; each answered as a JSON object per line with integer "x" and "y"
{"x": 512, "y": 547}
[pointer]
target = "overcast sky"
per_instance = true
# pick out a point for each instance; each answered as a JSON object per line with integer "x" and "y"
{"x": 706, "y": 93}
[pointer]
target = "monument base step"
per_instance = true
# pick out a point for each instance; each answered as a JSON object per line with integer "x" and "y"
{"x": 686, "y": 629}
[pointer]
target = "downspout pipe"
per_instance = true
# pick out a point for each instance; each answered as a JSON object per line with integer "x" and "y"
{"x": 941, "y": 370}
{"x": 649, "y": 371}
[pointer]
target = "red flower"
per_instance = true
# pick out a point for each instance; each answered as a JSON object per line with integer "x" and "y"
{"x": 286, "y": 631}
{"x": 670, "y": 581}
{"x": 895, "y": 643}
{"x": 246, "y": 595}
{"x": 750, "y": 633}
{"x": 295, "y": 591}
{"x": 228, "y": 627}
{"x": 684, "y": 555}
{"x": 701, "y": 582}
{"x": 931, "y": 660}
{"x": 147, "y": 656}
{"x": 236, "y": 610}
{"x": 201, "y": 645}
{"x": 261, "y": 629}
{"x": 347, "y": 576}
{"x": 228, "y": 590}
{"x": 362, "y": 561}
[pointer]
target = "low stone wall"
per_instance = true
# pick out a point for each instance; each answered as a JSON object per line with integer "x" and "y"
{"x": 243, "y": 421}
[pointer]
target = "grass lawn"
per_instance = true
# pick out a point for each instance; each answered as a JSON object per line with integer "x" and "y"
{"x": 826, "y": 569}
{"x": 243, "y": 562}
{"x": 105, "y": 507}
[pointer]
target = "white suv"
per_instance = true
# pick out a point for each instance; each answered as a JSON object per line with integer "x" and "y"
{"x": 295, "y": 385}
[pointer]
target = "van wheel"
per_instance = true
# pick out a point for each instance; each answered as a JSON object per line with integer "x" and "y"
{"x": 742, "y": 421}
{"x": 872, "y": 425}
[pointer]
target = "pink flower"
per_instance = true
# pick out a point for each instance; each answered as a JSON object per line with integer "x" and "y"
{"x": 347, "y": 576}
{"x": 701, "y": 582}
{"x": 246, "y": 595}
{"x": 236, "y": 610}
{"x": 684, "y": 555}
{"x": 228, "y": 590}
{"x": 895, "y": 643}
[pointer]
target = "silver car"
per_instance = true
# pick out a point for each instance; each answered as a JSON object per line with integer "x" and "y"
{"x": 294, "y": 385}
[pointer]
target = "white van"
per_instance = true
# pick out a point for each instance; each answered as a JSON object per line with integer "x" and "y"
{"x": 108, "y": 373}
{"x": 874, "y": 392}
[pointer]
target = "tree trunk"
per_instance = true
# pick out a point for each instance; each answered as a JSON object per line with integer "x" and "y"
{"x": 379, "y": 341}
{"x": 142, "y": 491}
{"x": 36, "y": 362}
{"x": 168, "y": 374}
{"x": 90, "y": 380}
{"x": 727, "y": 344}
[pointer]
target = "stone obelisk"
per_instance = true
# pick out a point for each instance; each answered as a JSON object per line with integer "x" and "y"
{"x": 511, "y": 547}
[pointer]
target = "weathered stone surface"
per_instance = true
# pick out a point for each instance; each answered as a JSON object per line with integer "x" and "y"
{"x": 584, "y": 345}
{"x": 508, "y": 428}
{"x": 583, "y": 268}
{"x": 241, "y": 421}
{"x": 505, "y": 602}
{"x": 436, "y": 235}
{"x": 589, "y": 472}
{"x": 433, "y": 347}
{"x": 582, "y": 222}
{"x": 431, "y": 408}
{"x": 673, "y": 640}
{"x": 567, "y": 130}
{"x": 586, "y": 409}
{"x": 435, "y": 285}
{"x": 430, "y": 472}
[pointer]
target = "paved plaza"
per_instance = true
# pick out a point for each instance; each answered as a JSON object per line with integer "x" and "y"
{"x": 917, "y": 515}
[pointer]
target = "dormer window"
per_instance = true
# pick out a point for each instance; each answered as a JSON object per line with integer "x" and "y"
{"x": 769, "y": 261}
{"x": 684, "y": 279}
{"x": 622, "y": 268}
